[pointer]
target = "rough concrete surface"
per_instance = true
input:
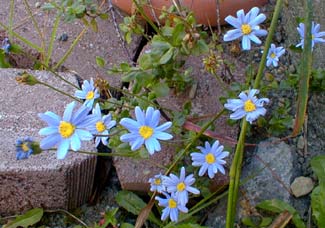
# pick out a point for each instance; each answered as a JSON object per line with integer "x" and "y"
{"x": 42, "y": 180}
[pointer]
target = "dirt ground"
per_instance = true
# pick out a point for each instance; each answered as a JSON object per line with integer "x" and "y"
{"x": 104, "y": 43}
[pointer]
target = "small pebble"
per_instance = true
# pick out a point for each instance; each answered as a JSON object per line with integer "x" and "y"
{"x": 38, "y": 5}
{"x": 301, "y": 143}
{"x": 302, "y": 186}
{"x": 64, "y": 37}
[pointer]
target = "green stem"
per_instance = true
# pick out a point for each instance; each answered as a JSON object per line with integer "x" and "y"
{"x": 188, "y": 146}
{"x": 53, "y": 34}
{"x": 36, "y": 47}
{"x": 69, "y": 51}
{"x": 268, "y": 42}
{"x": 59, "y": 91}
{"x": 11, "y": 17}
{"x": 35, "y": 24}
{"x": 305, "y": 71}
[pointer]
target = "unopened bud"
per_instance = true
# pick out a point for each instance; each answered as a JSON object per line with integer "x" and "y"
{"x": 27, "y": 79}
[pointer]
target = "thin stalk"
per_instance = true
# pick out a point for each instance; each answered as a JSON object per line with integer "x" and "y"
{"x": 305, "y": 71}
{"x": 188, "y": 146}
{"x": 11, "y": 18}
{"x": 59, "y": 91}
{"x": 143, "y": 14}
{"x": 234, "y": 176}
{"x": 268, "y": 42}
{"x": 74, "y": 43}
{"x": 32, "y": 45}
{"x": 38, "y": 30}
{"x": 53, "y": 34}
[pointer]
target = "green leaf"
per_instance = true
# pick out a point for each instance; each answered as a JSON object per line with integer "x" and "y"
{"x": 318, "y": 165}
{"x": 47, "y": 6}
{"x": 100, "y": 61}
{"x": 133, "y": 204}
{"x": 167, "y": 56}
{"x": 3, "y": 61}
{"x": 94, "y": 25}
{"x": 161, "y": 89}
{"x": 318, "y": 206}
{"x": 127, "y": 225}
{"x": 279, "y": 206}
{"x": 103, "y": 16}
{"x": 145, "y": 61}
{"x": 31, "y": 217}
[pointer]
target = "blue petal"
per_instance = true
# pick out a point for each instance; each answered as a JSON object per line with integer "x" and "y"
{"x": 165, "y": 213}
{"x": 50, "y": 118}
{"x": 203, "y": 169}
{"x": 84, "y": 135}
{"x": 63, "y": 149}
{"x": 48, "y": 131}
{"x": 80, "y": 94}
{"x": 130, "y": 124}
{"x": 152, "y": 145}
{"x": 234, "y": 104}
{"x": 233, "y": 21}
{"x": 173, "y": 214}
{"x": 246, "y": 43}
{"x": 75, "y": 142}
{"x": 50, "y": 141}
{"x": 137, "y": 144}
{"x": 164, "y": 126}
{"x": 140, "y": 116}
{"x": 80, "y": 115}
{"x": 254, "y": 38}
{"x": 155, "y": 119}
{"x": 257, "y": 20}
{"x": 162, "y": 135}
{"x": 148, "y": 116}
{"x": 232, "y": 35}
{"x": 238, "y": 114}
{"x": 68, "y": 112}
{"x": 129, "y": 137}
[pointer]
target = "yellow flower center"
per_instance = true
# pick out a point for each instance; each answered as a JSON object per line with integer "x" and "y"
{"x": 25, "y": 147}
{"x": 249, "y": 106}
{"x": 66, "y": 129}
{"x": 145, "y": 132}
{"x": 181, "y": 186}
{"x": 172, "y": 203}
{"x": 157, "y": 181}
{"x": 246, "y": 29}
{"x": 209, "y": 158}
{"x": 100, "y": 126}
{"x": 273, "y": 55}
{"x": 90, "y": 95}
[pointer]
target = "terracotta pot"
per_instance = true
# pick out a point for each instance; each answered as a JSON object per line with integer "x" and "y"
{"x": 204, "y": 10}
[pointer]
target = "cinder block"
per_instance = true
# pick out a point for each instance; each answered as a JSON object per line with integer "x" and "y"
{"x": 42, "y": 180}
{"x": 134, "y": 174}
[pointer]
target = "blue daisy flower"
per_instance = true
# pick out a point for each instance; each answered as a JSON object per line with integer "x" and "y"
{"x": 88, "y": 93}
{"x": 248, "y": 105}
{"x": 67, "y": 131}
{"x": 210, "y": 159}
{"x": 172, "y": 207}
{"x": 24, "y": 148}
{"x": 156, "y": 183}
{"x": 315, "y": 34}
{"x": 181, "y": 186}
{"x": 102, "y": 125}
{"x": 145, "y": 130}
{"x": 247, "y": 27}
{"x": 274, "y": 55}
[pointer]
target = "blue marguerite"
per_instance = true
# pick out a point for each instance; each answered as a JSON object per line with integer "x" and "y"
{"x": 181, "y": 186}
{"x": 172, "y": 207}
{"x": 274, "y": 55}
{"x": 102, "y": 125}
{"x": 145, "y": 130}
{"x": 156, "y": 183}
{"x": 210, "y": 159}
{"x": 248, "y": 105}
{"x": 316, "y": 35}
{"x": 247, "y": 27}
{"x": 88, "y": 93}
{"x": 67, "y": 131}
{"x": 24, "y": 148}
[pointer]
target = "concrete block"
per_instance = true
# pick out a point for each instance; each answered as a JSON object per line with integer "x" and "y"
{"x": 42, "y": 180}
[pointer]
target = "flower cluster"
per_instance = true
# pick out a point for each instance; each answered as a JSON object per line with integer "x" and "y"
{"x": 176, "y": 191}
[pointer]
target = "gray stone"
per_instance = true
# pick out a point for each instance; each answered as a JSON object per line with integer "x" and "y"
{"x": 302, "y": 186}
{"x": 42, "y": 180}
{"x": 265, "y": 173}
